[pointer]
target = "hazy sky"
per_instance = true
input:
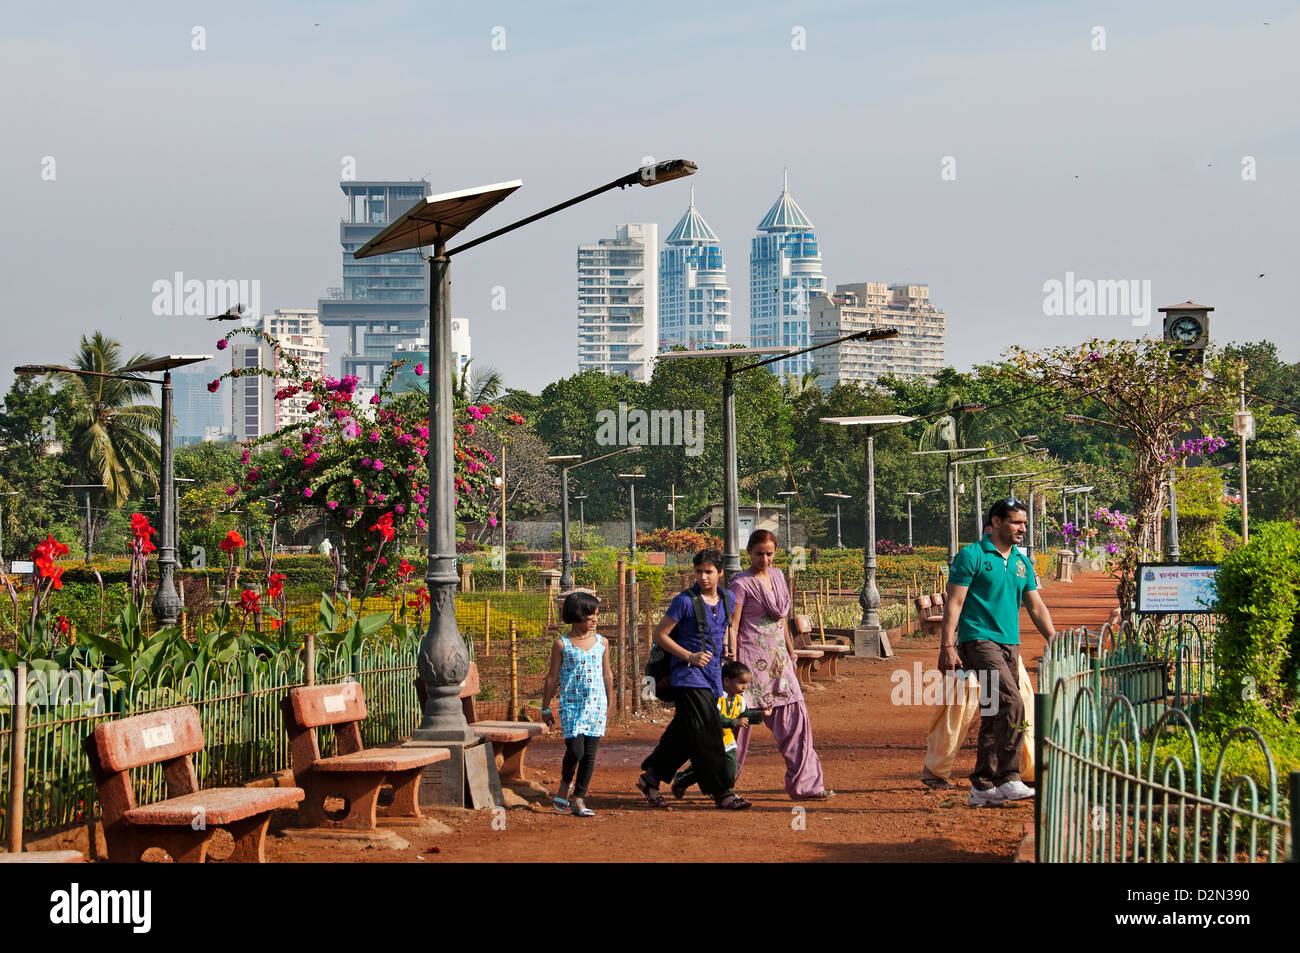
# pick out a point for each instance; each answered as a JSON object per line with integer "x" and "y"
{"x": 1122, "y": 163}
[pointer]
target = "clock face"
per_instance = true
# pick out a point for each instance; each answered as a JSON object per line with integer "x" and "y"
{"x": 1185, "y": 330}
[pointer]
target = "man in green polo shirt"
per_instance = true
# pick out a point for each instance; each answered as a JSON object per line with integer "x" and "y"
{"x": 988, "y": 583}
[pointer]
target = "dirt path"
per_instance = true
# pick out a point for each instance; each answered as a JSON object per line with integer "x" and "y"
{"x": 871, "y": 752}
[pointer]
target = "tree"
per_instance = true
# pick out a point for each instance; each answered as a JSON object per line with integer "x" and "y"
{"x": 532, "y": 484}
{"x": 1148, "y": 394}
{"x": 113, "y": 438}
{"x": 32, "y": 433}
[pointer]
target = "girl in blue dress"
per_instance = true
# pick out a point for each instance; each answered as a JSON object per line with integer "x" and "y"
{"x": 580, "y": 670}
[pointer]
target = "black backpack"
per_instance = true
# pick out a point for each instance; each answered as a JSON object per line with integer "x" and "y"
{"x": 659, "y": 667}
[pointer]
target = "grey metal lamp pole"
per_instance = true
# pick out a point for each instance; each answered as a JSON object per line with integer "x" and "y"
{"x": 443, "y": 658}
{"x": 566, "y": 558}
{"x": 838, "y": 498}
{"x": 789, "y": 539}
{"x": 673, "y": 497}
{"x": 631, "y": 479}
{"x": 1174, "y": 554}
{"x": 582, "y": 517}
{"x": 910, "y": 494}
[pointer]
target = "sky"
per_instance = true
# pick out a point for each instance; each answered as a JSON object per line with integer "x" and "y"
{"x": 983, "y": 149}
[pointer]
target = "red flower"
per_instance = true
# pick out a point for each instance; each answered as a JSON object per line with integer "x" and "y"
{"x": 274, "y": 624}
{"x": 148, "y": 547}
{"x": 250, "y": 601}
{"x": 421, "y": 599}
{"x": 232, "y": 542}
{"x": 385, "y": 527}
{"x": 141, "y": 528}
{"x": 516, "y": 419}
{"x": 404, "y": 570}
{"x": 63, "y": 625}
{"x": 212, "y": 387}
{"x": 50, "y": 549}
{"x": 275, "y": 585}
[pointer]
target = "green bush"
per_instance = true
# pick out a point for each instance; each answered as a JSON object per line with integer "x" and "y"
{"x": 1244, "y": 759}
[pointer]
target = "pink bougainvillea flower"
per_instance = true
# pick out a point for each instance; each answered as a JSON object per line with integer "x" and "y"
{"x": 212, "y": 387}
{"x": 332, "y": 504}
{"x": 419, "y": 370}
{"x": 492, "y": 520}
{"x": 374, "y": 400}
{"x": 306, "y": 491}
{"x": 222, "y": 344}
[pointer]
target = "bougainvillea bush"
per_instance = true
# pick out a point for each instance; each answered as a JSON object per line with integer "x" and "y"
{"x": 358, "y": 465}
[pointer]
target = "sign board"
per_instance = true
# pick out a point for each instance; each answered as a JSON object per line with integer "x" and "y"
{"x": 20, "y": 567}
{"x": 1177, "y": 587}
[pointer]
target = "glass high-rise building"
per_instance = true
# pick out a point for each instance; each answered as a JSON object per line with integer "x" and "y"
{"x": 785, "y": 274}
{"x": 385, "y": 299}
{"x": 196, "y": 410}
{"x": 694, "y": 298}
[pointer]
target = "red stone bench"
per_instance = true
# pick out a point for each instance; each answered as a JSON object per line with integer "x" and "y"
{"x": 509, "y": 739}
{"x": 830, "y": 650}
{"x": 929, "y": 610}
{"x": 183, "y": 825}
{"x": 356, "y": 774}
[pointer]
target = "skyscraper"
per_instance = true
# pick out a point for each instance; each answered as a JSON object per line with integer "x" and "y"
{"x": 918, "y": 351}
{"x": 385, "y": 298}
{"x": 785, "y": 273}
{"x": 694, "y": 299}
{"x": 618, "y": 302}
{"x": 255, "y": 411}
{"x": 196, "y": 410}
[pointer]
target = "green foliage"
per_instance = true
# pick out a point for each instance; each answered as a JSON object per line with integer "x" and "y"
{"x": 1201, "y": 513}
{"x": 1244, "y": 759}
{"x": 1258, "y": 645}
{"x": 33, "y": 418}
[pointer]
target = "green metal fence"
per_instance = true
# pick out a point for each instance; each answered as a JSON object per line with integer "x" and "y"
{"x": 1122, "y": 775}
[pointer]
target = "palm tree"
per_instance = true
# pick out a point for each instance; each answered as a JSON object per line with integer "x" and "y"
{"x": 113, "y": 437}
{"x": 485, "y": 387}
{"x": 796, "y": 386}
{"x": 956, "y": 429}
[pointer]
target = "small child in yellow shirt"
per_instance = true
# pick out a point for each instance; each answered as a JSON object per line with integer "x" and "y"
{"x": 731, "y": 712}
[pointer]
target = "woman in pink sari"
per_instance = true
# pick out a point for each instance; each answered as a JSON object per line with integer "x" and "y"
{"x": 763, "y": 643}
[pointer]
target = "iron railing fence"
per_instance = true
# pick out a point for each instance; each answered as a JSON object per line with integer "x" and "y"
{"x": 1123, "y": 777}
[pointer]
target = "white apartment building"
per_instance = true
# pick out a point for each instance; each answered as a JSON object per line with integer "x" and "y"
{"x": 918, "y": 351}
{"x": 255, "y": 411}
{"x": 618, "y": 302}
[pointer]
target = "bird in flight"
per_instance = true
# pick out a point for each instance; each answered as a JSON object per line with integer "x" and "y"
{"x": 230, "y": 314}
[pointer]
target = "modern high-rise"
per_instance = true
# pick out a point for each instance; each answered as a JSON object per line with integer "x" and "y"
{"x": 694, "y": 299}
{"x": 255, "y": 411}
{"x": 196, "y": 411}
{"x": 385, "y": 299}
{"x": 785, "y": 274}
{"x": 416, "y": 351}
{"x": 918, "y": 351}
{"x": 618, "y": 302}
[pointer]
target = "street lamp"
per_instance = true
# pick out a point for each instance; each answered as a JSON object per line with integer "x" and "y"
{"x": 866, "y": 637}
{"x": 566, "y": 559}
{"x": 910, "y": 494}
{"x": 631, "y": 479}
{"x": 979, "y": 487}
{"x": 582, "y": 517}
{"x": 839, "y": 498}
{"x": 673, "y": 497}
{"x": 789, "y": 538}
{"x": 730, "y": 482}
{"x": 443, "y": 660}
{"x": 166, "y": 604}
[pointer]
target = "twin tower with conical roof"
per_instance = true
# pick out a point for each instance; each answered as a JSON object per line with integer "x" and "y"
{"x": 630, "y": 306}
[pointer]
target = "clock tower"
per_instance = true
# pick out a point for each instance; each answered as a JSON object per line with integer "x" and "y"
{"x": 1187, "y": 326}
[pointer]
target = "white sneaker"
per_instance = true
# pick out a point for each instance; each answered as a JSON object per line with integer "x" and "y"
{"x": 979, "y": 798}
{"x": 1014, "y": 791}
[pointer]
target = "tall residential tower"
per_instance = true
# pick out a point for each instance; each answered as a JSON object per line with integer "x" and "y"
{"x": 785, "y": 274}
{"x": 694, "y": 299}
{"x": 618, "y": 295}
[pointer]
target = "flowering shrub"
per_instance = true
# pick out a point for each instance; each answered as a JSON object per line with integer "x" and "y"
{"x": 1198, "y": 447}
{"x": 887, "y": 547}
{"x": 684, "y": 541}
{"x": 363, "y": 467}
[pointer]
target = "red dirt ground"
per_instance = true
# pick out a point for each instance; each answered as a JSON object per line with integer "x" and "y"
{"x": 871, "y": 752}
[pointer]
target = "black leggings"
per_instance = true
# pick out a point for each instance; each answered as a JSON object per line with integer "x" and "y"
{"x": 580, "y": 753}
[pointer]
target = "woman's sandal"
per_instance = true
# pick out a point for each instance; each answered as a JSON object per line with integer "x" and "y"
{"x": 581, "y": 810}
{"x": 652, "y": 794}
{"x": 561, "y": 804}
{"x": 733, "y": 802}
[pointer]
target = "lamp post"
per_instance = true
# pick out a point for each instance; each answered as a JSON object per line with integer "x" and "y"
{"x": 443, "y": 659}
{"x": 566, "y": 557}
{"x": 673, "y": 497}
{"x": 866, "y": 637}
{"x": 582, "y": 517}
{"x": 631, "y": 479}
{"x": 1243, "y": 425}
{"x": 166, "y": 604}
{"x": 729, "y": 355}
{"x": 910, "y": 494}
{"x": 839, "y": 498}
{"x": 789, "y": 538}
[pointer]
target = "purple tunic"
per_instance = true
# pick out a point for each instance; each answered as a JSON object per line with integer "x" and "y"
{"x": 760, "y": 640}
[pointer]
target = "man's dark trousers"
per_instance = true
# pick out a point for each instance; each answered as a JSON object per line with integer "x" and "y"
{"x": 694, "y": 734}
{"x": 1000, "y": 735}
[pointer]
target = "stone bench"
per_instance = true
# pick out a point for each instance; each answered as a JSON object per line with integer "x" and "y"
{"x": 830, "y": 650}
{"x": 182, "y": 825}
{"x": 510, "y": 739}
{"x": 356, "y": 774}
{"x": 929, "y": 612}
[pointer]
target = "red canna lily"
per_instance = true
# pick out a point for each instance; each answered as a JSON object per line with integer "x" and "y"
{"x": 232, "y": 542}
{"x": 421, "y": 598}
{"x": 404, "y": 570}
{"x": 140, "y": 526}
{"x": 385, "y": 527}
{"x": 250, "y": 601}
{"x": 275, "y": 585}
{"x": 63, "y": 625}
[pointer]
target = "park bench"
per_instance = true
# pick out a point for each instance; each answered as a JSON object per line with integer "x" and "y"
{"x": 510, "y": 739}
{"x": 929, "y": 611}
{"x": 356, "y": 773}
{"x": 830, "y": 651}
{"x": 183, "y": 825}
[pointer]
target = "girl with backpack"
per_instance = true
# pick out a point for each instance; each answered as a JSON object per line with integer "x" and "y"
{"x": 693, "y": 633}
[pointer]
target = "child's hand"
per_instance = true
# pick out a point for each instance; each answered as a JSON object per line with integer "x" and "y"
{"x": 767, "y": 713}
{"x": 548, "y": 718}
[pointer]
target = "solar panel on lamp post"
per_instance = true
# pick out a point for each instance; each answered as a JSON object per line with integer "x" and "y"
{"x": 566, "y": 559}
{"x": 443, "y": 658}
{"x": 866, "y": 637}
{"x": 730, "y": 481}
{"x": 166, "y": 604}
